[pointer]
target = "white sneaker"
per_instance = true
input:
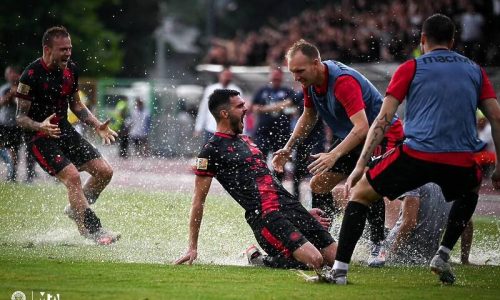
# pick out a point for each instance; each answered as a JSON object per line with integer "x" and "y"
{"x": 377, "y": 256}
{"x": 254, "y": 256}
{"x": 339, "y": 276}
{"x": 441, "y": 267}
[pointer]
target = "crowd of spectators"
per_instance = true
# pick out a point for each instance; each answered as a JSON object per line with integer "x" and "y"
{"x": 366, "y": 31}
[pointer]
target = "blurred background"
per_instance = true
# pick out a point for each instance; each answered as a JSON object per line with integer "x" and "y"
{"x": 165, "y": 52}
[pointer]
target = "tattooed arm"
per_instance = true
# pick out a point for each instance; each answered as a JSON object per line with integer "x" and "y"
{"x": 375, "y": 135}
{"x": 22, "y": 119}
{"x": 378, "y": 129}
{"x": 82, "y": 112}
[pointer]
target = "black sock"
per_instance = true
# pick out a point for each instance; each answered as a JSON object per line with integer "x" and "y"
{"x": 460, "y": 213}
{"x": 325, "y": 203}
{"x": 91, "y": 221}
{"x": 91, "y": 197}
{"x": 351, "y": 230}
{"x": 376, "y": 219}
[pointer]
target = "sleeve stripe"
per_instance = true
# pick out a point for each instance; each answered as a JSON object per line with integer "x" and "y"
{"x": 204, "y": 173}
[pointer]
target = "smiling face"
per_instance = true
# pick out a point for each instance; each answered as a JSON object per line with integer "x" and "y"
{"x": 236, "y": 114}
{"x": 304, "y": 69}
{"x": 57, "y": 55}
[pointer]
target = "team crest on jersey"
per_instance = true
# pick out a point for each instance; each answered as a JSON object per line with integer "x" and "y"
{"x": 23, "y": 89}
{"x": 201, "y": 163}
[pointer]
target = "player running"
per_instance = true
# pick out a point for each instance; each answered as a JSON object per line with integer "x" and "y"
{"x": 46, "y": 88}
{"x": 443, "y": 90}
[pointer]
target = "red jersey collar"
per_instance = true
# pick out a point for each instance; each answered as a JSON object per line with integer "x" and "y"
{"x": 224, "y": 135}
{"x": 44, "y": 65}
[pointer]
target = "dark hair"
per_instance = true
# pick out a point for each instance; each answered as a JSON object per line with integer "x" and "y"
{"x": 306, "y": 48}
{"x": 52, "y": 33}
{"x": 219, "y": 100}
{"x": 439, "y": 29}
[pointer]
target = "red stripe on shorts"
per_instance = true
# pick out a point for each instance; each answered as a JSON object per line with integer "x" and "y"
{"x": 268, "y": 194}
{"x": 277, "y": 244}
{"x": 386, "y": 160}
{"x": 43, "y": 162}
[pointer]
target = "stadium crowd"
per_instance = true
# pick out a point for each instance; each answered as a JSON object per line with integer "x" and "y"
{"x": 366, "y": 31}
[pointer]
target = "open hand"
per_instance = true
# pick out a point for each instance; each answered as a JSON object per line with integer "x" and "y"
{"x": 189, "y": 257}
{"x": 52, "y": 130}
{"x": 107, "y": 134}
{"x": 322, "y": 163}
{"x": 280, "y": 158}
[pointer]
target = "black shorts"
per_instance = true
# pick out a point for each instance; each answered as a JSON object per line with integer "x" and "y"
{"x": 53, "y": 155}
{"x": 347, "y": 163}
{"x": 284, "y": 231}
{"x": 396, "y": 173}
{"x": 10, "y": 137}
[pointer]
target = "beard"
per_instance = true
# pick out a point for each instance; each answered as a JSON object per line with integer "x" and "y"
{"x": 236, "y": 125}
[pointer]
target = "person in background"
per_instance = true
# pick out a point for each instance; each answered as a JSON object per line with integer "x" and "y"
{"x": 10, "y": 133}
{"x": 140, "y": 120}
{"x": 205, "y": 124}
{"x": 273, "y": 106}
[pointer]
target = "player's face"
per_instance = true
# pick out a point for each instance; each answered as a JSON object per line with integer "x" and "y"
{"x": 237, "y": 114}
{"x": 303, "y": 69}
{"x": 60, "y": 52}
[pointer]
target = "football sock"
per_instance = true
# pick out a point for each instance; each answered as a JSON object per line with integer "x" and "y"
{"x": 460, "y": 214}
{"x": 351, "y": 230}
{"x": 91, "y": 197}
{"x": 338, "y": 265}
{"x": 376, "y": 219}
{"x": 91, "y": 221}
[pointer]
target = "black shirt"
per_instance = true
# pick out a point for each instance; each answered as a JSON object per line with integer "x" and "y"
{"x": 240, "y": 167}
{"x": 49, "y": 91}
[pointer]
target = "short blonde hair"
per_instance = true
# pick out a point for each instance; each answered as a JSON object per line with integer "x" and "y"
{"x": 305, "y": 47}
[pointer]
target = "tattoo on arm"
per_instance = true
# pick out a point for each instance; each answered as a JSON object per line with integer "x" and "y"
{"x": 83, "y": 114}
{"x": 380, "y": 128}
{"x": 22, "y": 119}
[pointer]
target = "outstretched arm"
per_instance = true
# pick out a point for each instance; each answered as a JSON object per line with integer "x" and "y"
{"x": 324, "y": 161}
{"x": 83, "y": 113}
{"x": 202, "y": 186}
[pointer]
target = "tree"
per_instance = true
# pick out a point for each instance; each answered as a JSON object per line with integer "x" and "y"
{"x": 97, "y": 50}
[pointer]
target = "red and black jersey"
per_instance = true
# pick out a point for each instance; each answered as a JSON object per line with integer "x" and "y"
{"x": 240, "y": 167}
{"x": 49, "y": 91}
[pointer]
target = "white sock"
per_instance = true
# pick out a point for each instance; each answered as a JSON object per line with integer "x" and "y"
{"x": 444, "y": 249}
{"x": 338, "y": 265}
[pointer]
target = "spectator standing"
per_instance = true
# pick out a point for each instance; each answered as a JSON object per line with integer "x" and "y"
{"x": 10, "y": 133}
{"x": 139, "y": 127}
{"x": 205, "y": 123}
{"x": 273, "y": 106}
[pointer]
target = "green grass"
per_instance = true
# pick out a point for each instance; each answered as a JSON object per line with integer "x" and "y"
{"x": 40, "y": 250}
